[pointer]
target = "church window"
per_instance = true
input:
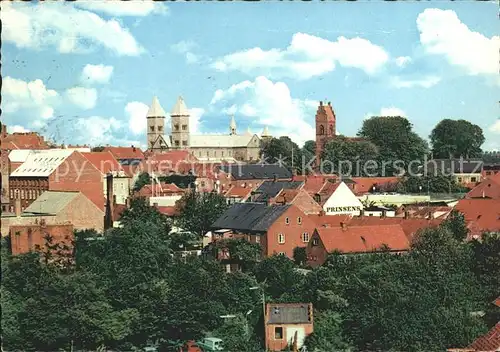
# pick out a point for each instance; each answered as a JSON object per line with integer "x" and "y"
{"x": 177, "y": 143}
{"x": 215, "y": 153}
{"x": 321, "y": 129}
{"x": 152, "y": 128}
{"x": 160, "y": 128}
{"x": 184, "y": 127}
{"x": 331, "y": 131}
{"x": 176, "y": 127}
{"x": 208, "y": 153}
{"x": 184, "y": 142}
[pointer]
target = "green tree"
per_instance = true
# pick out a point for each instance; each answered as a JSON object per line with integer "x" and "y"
{"x": 349, "y": 157}
{"x": 281, "y": 150}
{"x": 198, "y": 211}
{"x": 299, "y": 255}
{"x": 142, "y": 180}
{"x": 397, "y": 143}
{"x": 456, "y": 138}
{"x": 328, "y": 333}
{"x": 455, "y": 223}
{"x": 309, "y": 151}
{"x": 431, "y": 184}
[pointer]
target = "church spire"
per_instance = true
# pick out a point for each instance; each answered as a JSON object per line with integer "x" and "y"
{"x": 155, "y": 110}
{"x": 265, "y": 132}
{"x": 232, "y": 126}
{"x": 180, "y": 108}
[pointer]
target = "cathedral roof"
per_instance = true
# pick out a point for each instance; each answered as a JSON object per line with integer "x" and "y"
{"x": 233, "y": 123}
{"x": 155, "y": 110}
{"x": 221, "y": 141}
{"x": 180, "y": 108}
{"x": 265, "y": 132}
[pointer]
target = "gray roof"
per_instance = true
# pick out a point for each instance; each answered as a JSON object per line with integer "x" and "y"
{"x": 454, "y": 166}
{"x": 288, "y": 314}
{"x": 255, "y": 217}
{"x": 269, "y": 189}
{"x": 51, "y": 202}
{"x": 257, "y": 171}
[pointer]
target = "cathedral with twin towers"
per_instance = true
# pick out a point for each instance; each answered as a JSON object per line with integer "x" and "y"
{"x": 230, "y": 147}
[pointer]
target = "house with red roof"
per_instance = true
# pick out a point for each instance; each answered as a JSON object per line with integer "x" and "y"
{"x": 481, "y": 214}
{"x": 237, "y": 194}
{"x": 349, "y": 239}
{"x": 338, "y": 198}
{"x": 488, "y": 188}
{"x": 298, "y": 197}
{"x": 106, "y": 163}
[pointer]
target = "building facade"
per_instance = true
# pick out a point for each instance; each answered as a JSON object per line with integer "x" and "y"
{"x": 228, "y": 147}
{"x": 325, "y": 127}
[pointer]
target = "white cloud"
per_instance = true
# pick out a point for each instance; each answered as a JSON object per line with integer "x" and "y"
{"x": 425, "y": 82}
{"x": 17, "y": 129}
{"x": 35, "y": 96}
{"x": 194, "y": 119}
{"x": 136, "y": 113}
{"x": 387, "y": 111}
{"x": 442, "y": 33}
{"x": 124, "y": 8}
{"x": 96, "y": 130}
{"x": 266, "y": 103}
{"x": 307, "y": 56}
{"x": 96, "y": 73}
{"x": 495, "y": 128}
{"x": 402, "y": 61}
{"x": 61, "y": 25}
{"x": 185, "y": 47}
{"x": 85, "y": 98}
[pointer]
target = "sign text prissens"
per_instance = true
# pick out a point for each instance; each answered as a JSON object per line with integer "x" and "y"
{"x": 343, "y": 209}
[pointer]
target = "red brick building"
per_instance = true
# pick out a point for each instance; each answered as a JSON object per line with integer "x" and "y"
{"x": 277, "y": 228}
{"x": 298, "y": 197}
{"x": 325, "y": 127}
{"x": 55, "y": 170}
{"x": 286, "y": 324}
{"x": 27, "y": 238}
{"x": 354, "y": 240}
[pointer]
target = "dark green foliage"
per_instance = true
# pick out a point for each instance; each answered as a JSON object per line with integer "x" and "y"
{"x": 397, "y": 144}
{"x": 347, "y": 157}
{"x": 142, "y": 180}
{"x": 240, "y": 251}
{"x": 284, "y": 151}
{"x": 299, "y": 255}
{"x": 328, "y": 334}
{"x": 431, "y": 184}
{"x": 487, "y": 264}
{"x": 491, "y": 157}
{"x": 97, "y": 149}
{"x": 198, "y": 211}
{"x": 181, "y": 181}
{"x": 455, "y": 139}
{"x": 456, "y": 225}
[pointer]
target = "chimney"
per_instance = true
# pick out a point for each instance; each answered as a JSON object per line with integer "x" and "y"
{"x": 18, "y": 207}
{"x": 133, "y": 149}
{"x": 108, "y": 217}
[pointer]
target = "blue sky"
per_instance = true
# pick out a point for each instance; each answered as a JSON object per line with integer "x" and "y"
{"x": 85, "y": 72}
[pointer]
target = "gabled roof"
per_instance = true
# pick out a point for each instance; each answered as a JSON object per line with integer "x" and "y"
{"x": 256, "y": 171}
{"x": 161, "y": 142}
{"x": 51, "y": 202}
{"x": 24, "y": 140}
{"x": 361, "y": 239}
{"x": 250, "y": 217}
{"x": 270, "y": 189}
{"x": 366, "y": 184}
{"x": 121, "y": 153}
{"x": 180, "y": 108}
{"x": 482, "y": 215}
{"x": 453, "y": 166}
{"x": 42, "y": 163}
{"x": 172, "y": 157}
{"x": 238, "y": 192}
{"x": 488, "y": 188}
{"x": 155, "y": 110}
{"x": 105, "y": 162}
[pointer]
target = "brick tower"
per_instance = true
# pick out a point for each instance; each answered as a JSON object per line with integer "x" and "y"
{"x": 325, "y": 127}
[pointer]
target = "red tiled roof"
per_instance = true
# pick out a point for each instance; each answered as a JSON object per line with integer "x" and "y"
{"x": 314, "y": 183}
{"x": 480, "y": 214}
{"x": 238, "y": 192}
{"x": 29, "y": 140}
{"x": 497, "y": 301}
{"x": 327, "y": 190}
{"x": 489, "y": 342}
{"x": 173, "y": 156}
{"x": 164, "y": 189}
{"x": 103, "y": 161}
{"x": 488, "y": 188}
{"x": 169, "y": 211}
{"x": 365, "y": 184}
{"x": 125, "y": 152}
{"x": 362, "y": 239}
{"x": 286, "y": 196}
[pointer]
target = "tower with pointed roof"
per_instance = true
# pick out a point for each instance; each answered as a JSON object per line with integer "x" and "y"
{"x": 156, "y": 126}
{"x": 180, "y": 125}
{"x": 232, "y": 126}
{"x": 265, "y": 136}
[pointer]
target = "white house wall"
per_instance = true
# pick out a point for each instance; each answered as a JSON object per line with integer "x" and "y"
{"x": 343, "y": 201}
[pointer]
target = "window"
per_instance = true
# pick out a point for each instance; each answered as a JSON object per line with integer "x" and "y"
{"x": 278, "y": 333}
{"x": 184, "y": 142}
{"x": 184, "y": 127}
{"x": 321, "y": 129}
{"x": 176, "y": 143}
{"x": 281, "y": 238}
{"x": 257, "y": 239}
{"x": 287, "y": 220}
{"x": 459, "y": 179}
{"x": 30, "y": 239}
{"x": 222, "y": 154}
{"x": 305, "y": 237}
{"x": 176, "y": 127}
{"x": 152, "y": 128}
{"x": 299, "y": 220}
{"x": 215, "y": 153}
{"x": 473, "y": 179}
{"x": 281, "y": 253}
{"x": 208, "y": 153}
{"x": 317, "y": 198}
{"x": 22, "y": 194}
{"x": 331, "y": 131}
{"x": 315, "y": 242}
{"x": 160, "y": 128}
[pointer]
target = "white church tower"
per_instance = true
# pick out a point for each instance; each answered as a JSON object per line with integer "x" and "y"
{"x": 180, "y": 125}
{"x": 156, "y": 126}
